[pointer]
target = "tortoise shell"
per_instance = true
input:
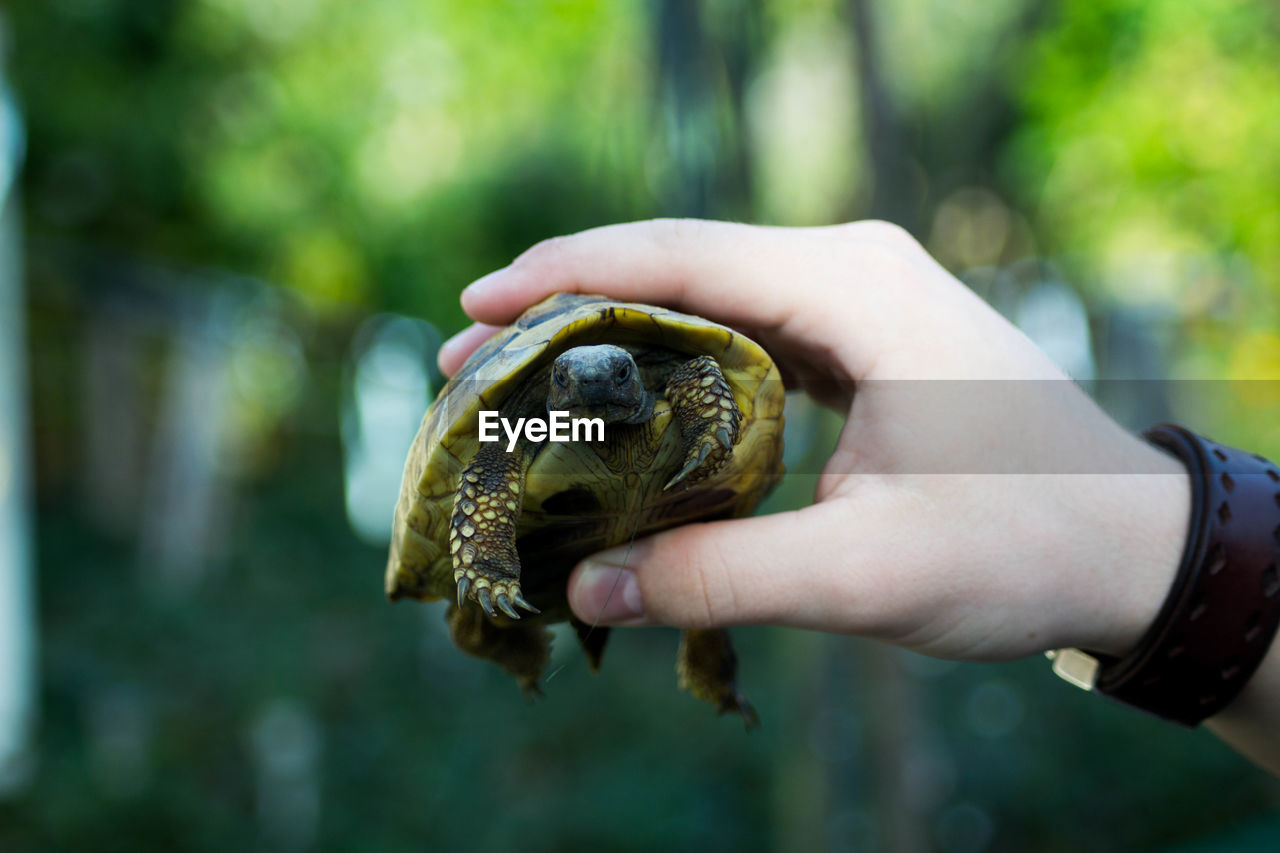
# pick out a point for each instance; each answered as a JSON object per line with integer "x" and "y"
{"x": 579, "y": 500}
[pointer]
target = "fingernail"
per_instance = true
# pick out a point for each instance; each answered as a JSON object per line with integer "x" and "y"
{"x": 481, "y": 285}
{"x": 607, "y": 592}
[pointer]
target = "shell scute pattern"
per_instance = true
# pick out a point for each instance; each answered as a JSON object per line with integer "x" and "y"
{"x": 420, "y": 564}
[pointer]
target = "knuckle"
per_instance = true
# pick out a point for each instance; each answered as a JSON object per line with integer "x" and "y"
{"x": 547, "y": 252}
{"x": 886, "y": 253}
{"x": 715, "y": 598}
{"x": 889, "y": 233}
{"x": 672, "y": 232}
{"x": 703, "y": 610}
{"x": 702, "y": 595}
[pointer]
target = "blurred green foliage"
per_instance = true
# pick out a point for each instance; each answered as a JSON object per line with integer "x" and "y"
{"x": 371, "y": 154}
{"x": 300, "y": 166}
{"x": 1149, "y": 152}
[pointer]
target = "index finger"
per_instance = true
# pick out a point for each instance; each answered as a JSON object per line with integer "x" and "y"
{"x": 725, "y": 271}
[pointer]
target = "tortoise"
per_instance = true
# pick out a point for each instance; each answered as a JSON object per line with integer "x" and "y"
{"x": 692, "y": 423}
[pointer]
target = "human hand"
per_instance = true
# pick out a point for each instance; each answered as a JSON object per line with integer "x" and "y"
{"x": 946, "y": 520}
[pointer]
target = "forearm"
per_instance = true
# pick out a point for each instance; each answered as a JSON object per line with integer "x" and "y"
{"x": 1249, "y": 724}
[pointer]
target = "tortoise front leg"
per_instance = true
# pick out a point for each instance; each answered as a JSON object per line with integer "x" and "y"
{"x": 482, "y": 532}
{"x": 709, "y": 418}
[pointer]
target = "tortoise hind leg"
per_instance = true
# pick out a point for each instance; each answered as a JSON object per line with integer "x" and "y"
{"x": 708, "y": 668}
{"x": 522, "y": 650}
{"x": 709, "y": 418}
{"x": 482, "y": 530}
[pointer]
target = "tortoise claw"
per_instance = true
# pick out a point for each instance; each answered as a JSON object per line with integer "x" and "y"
{"x": 689, "y": 466}
{"x": 486, "y": 601}
{"x": 500, "y": 594}
{"x": 722, "y": 436}
{"x": 504, "y": 604}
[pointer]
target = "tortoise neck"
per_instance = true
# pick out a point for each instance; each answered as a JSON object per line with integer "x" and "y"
{"x": 643, "y": 412}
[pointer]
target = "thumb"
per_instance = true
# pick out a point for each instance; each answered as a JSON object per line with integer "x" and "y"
{"x": 712, "y": 574}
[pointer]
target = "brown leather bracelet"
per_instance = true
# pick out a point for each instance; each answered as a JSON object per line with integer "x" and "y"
{"x": 1224, "y": 607}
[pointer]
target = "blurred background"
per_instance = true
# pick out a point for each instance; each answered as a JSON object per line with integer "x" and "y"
{"x": 233, "y": 235}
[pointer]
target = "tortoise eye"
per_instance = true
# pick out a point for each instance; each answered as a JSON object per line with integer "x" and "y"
{"x": 623, "y": 373}
{"x": 558, "y": 376}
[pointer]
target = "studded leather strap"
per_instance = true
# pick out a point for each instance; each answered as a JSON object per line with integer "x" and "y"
{"x": 1223, "y": 610}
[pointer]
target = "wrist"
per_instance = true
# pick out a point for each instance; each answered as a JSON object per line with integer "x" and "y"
{"x": 1138, "y": 530}
{"x": 1217, "y": 621}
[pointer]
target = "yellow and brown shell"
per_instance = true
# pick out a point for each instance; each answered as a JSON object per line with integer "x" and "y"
{"x": 576, "y": 503}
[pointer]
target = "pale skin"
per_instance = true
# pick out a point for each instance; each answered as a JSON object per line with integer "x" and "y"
{"x": 925, "y": 548}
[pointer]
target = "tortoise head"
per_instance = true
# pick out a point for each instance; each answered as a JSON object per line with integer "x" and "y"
{"x": 599, "y": 382}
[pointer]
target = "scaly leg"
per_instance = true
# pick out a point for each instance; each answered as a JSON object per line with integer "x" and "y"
{"x": 709, "y": 418}
{"x": 482, "y": 533}
{"x": 707, "y": 667}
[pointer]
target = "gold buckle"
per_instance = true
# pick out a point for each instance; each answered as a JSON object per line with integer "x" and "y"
{"x": 1074, "y": 666}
